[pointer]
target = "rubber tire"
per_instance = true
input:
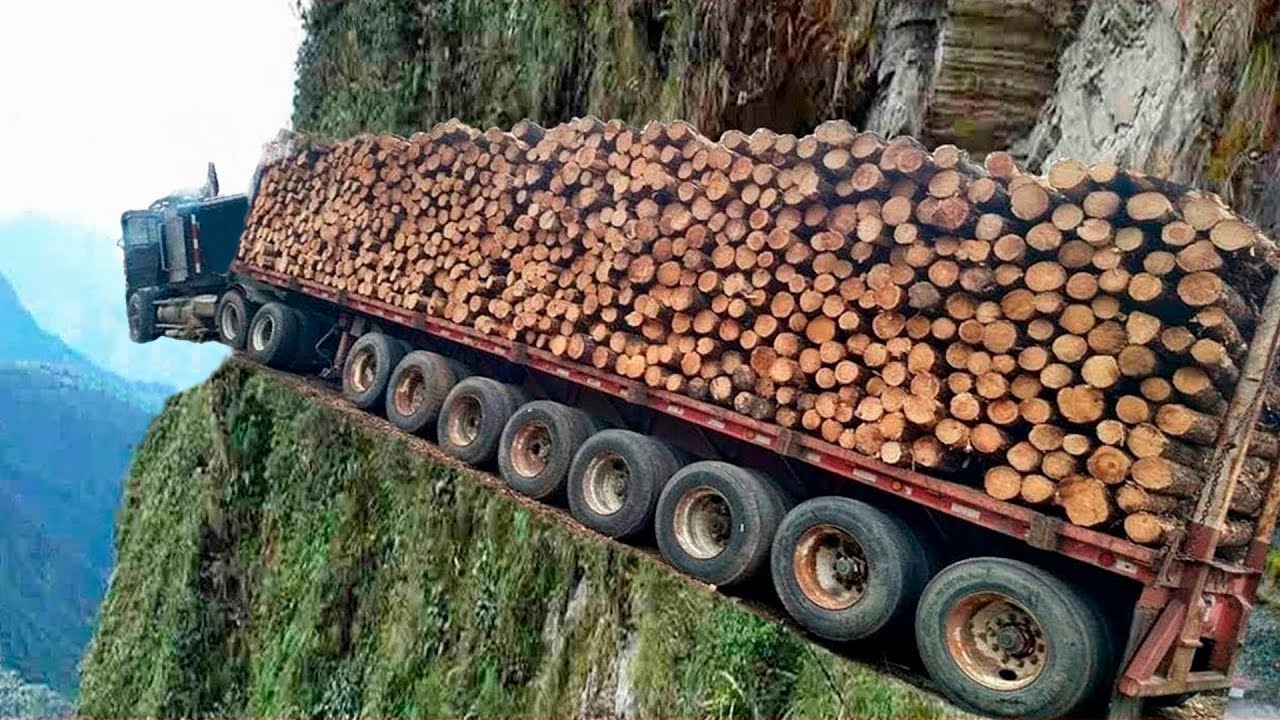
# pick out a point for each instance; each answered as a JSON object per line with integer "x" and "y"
{"x": 651, "y": 464}
{"x": 142, "y": 315}
{"x": 281, "y": 348}
{"x": 438, "y": 379}
{"x": 498, "y": 402}
{"x": 898, "y": 568}
{"x": 234, "y": 301}
{"x": 569, "y": 429}
{"x": 1081, "y": 656}
{"x": 387, "y": 352}
{"x": 756, "y": 506}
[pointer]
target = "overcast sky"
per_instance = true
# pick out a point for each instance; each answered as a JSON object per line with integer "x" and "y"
{"x": 106, "y": 106}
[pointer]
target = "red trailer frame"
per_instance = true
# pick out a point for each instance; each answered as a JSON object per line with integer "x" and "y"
{"x": 1188, "y": 596}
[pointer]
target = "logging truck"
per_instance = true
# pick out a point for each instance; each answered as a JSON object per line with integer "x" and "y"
{"x": 1014, "y": 417}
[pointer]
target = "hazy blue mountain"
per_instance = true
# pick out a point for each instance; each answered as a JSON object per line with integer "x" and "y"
{"x": 20, "y": 699}
{"x": 71, "y": 279}
{"x": 67, "y": 429}
{"x": 22, "y": 339}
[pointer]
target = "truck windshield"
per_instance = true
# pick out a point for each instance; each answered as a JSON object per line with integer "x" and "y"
{"x": 141, "y": 231}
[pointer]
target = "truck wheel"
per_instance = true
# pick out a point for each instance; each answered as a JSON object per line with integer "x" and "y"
{"x": 273, "y": 335}
{"x": 142, "y": 315}
{"x": 473, "y": 417}
{"x": 368, "y": 368}
{"x": 1005, "y": 638}
{"x": 615, "y": 480}
{"x": 716, "y": 521}
{"x": 538, "y": 445}
{"x": 417, "y": 390}
{"x": 232, "y": 318}
{"x": 844, "y": 569}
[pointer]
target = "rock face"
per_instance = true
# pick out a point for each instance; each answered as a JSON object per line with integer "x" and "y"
{"x": 1141, "y": 83}
{"x": 278, "y": 558}
{"x": 1184, "y": 88}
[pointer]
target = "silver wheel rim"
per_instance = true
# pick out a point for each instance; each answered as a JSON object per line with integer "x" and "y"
{"x": 703, "y": 523}
{"x": 263, "y": 332}
{"x": 531, "y": 449}
{"x": 231, "y": 321}
{"x": 464, "y": 421}
{"x": 605, "y": 483}
{"x": 996, "y": 641}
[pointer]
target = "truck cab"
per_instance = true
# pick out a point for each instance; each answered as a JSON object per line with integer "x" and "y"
{"x": 177, "y": 259}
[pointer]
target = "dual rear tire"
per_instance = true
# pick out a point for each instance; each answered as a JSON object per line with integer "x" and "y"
{"x": 1002, "y": 637}
{"x": 537, "y": 447}
{"x": 274, "y": 335}
{"x": 473, "y": 418}
{"x": 615, "y": 480}
{"x": 232, "y": 318}
{"x": 846, "y": 570}
{"x": 715, "y": 521}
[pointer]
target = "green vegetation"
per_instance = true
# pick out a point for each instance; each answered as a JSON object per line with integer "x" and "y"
{"x": 401, "y": 66}
{"x": 1269, "y": 591}
{"x": 277, "y": 559}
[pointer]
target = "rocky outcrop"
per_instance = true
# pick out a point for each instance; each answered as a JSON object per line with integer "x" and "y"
{"x": 995, "y": 69}
{"x": 1142, "y": 84}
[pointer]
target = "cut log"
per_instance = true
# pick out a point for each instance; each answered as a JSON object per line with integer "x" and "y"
{"x": 1202, "y": 429}
{"x": 1081, "y": 404}
{"x": 1085, "y": 500}
{"x": 1149, "y": 529}
{"x": 1037, "y": 490}
{"x": 1002, "y": 482}
{"x": 1109, "y": 464}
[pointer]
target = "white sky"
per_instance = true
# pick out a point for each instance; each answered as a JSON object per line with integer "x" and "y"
{"x": 106, "y": 106}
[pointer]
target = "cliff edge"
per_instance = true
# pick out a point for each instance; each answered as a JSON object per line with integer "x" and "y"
{"x": 279, "y": 556}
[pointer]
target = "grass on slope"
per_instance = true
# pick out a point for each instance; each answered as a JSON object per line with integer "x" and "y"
{"x": 277, "y": 560}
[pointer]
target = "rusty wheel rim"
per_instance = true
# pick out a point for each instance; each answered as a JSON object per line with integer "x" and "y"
{"x": 604, "y": 483}
{"x": 703, "y": 523}
{"x": 996, "y": 641}
{"x": 830, "y": 567}
{"x": 464, "y": 421}
{"x": 408, "y": 395}
{"x": 263, "y": 332}
{"x": 531, "y": 449}
{"x": 364, "y": 367}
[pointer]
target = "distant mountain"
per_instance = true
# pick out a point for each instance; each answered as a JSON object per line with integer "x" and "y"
{"x": 22, "y": 339}
{"x": 71, "y": 279}
{"x": 20, "y": 699}
{"x": 66, "y": 434}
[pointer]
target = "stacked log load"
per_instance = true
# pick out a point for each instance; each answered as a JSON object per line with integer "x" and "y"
{"x": 1069, "y": 340}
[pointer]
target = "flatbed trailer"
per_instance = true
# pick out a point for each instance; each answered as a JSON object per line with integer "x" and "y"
{"x": 1185, "y": 609}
